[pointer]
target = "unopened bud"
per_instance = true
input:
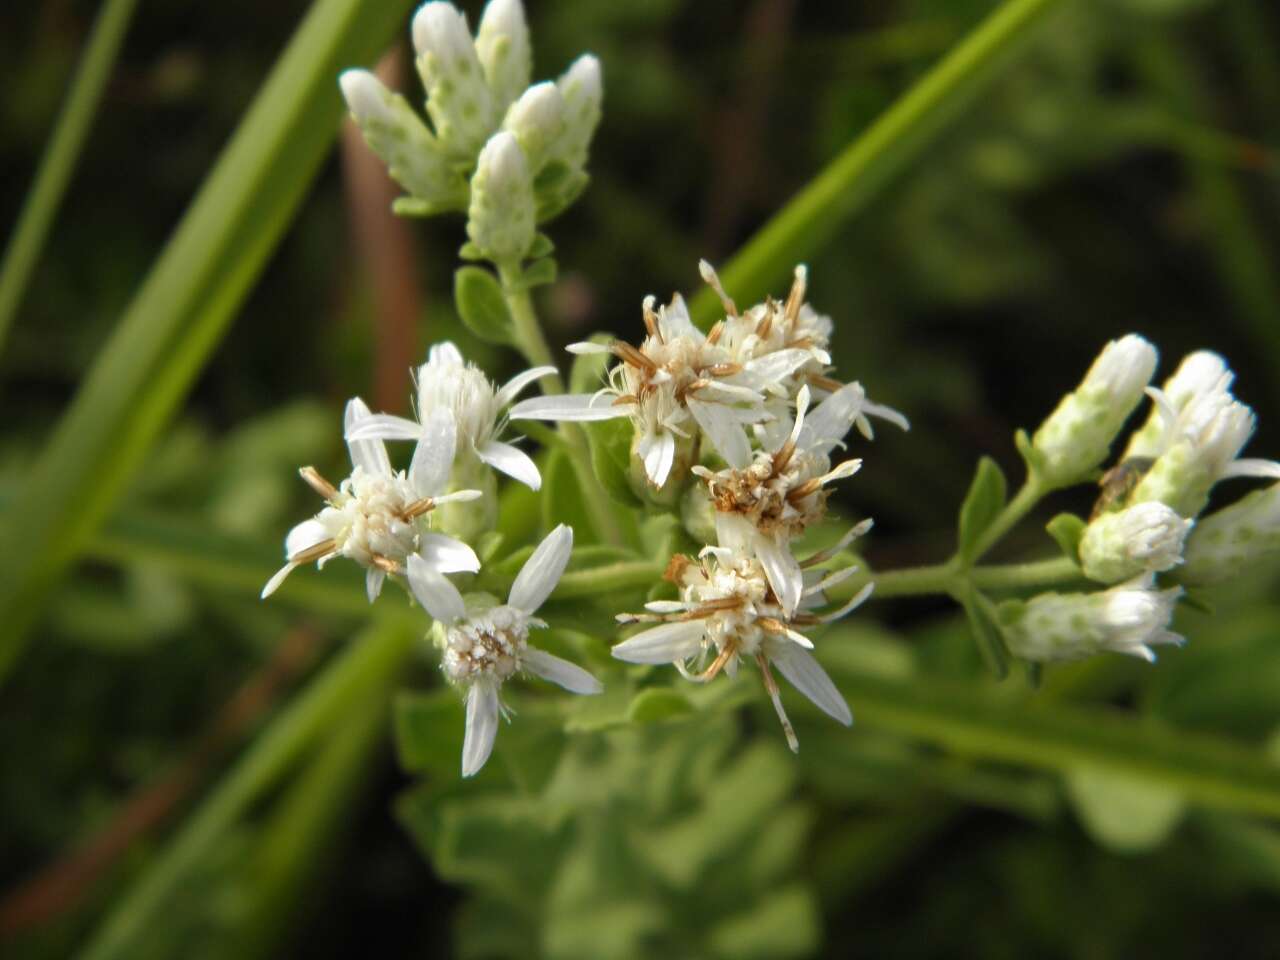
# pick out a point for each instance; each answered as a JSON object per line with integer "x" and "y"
{"x": 502, "y": 46}
{"x": 1147, "y": 537}
{"x": 537, "y": 121}
{"x": 1230, "y": 540}
{"x": 458, "y": 98}
{"x": 500, "y": 220}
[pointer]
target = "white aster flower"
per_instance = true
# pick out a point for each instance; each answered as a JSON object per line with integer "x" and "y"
{"x": 1129, "y": 618}
{"x": 1231, "y": 540}
{"x": 1201, "y": 430}
{"x": 476, "y": 404}
{"x": 1077, "y": 436}
{"x": 678, "y": 384}
{"x": 767, "y": 500}
{"x": 1146, "y": 537}
{"x": 377, "y": 516}
{"x": 727, "y": 611}
{"x": 483, "y": 647}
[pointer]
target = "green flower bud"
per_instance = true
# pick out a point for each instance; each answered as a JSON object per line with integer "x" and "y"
{"x": 501, "y": 218}
{"x": 1232, "y": 539}
{"x": 1147, "y": 537}
{"x": 458, "y": 98}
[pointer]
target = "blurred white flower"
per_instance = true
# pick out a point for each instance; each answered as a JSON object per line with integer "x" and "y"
{"x": 377, "y": 516}
{"x": 727, "y": 611}
{"x": 475, "y": 404}
{"x": 484, "y": 647}
{"x": 1129, "y": 618}
{"x": 1231, "y": 540}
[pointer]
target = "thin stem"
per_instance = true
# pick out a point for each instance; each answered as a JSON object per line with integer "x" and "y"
{"x": 531, "y": 342}
{"x": 938, "y": 578}
{"x": 1054, "y": 572}
{"x": 366, "y": 669}
{"x": 1017, "y": 508}
{"x": 60, "y": 156}
{"x": 948, "y": 579}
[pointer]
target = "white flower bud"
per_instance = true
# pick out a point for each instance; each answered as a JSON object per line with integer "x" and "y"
{"x": 501, "y": 220}
{"x": 1199, "y": 375}
{"x": 458, "y": 98}
{"x": 537, "y": 120}
{"x": 1186, "y": 471}
{"x": 1226, "y": 542}
{"x": 1129, "y": 618}
{"x": 1077, "y": 436}
{"x": 395, "y": 133}
{"x": 1146, "y": 537}
{"x": 502, "y": 45}
{"x": 582, "y": 91}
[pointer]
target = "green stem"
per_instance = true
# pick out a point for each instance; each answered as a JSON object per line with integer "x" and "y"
{"x": 948, "y": 579}
{"x": 614, "y": 576}
{"x": 531, "y": 342}
{"x": 884, "y": 150}
{"x": 60, "y": 156}
{"x": 938, "y": 578}
{"x": 1055, "y": 572}
{"x": 1017, "y": 508}
{"x": 366, "y": 669}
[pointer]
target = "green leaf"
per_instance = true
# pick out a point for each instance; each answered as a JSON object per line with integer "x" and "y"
{"x": 542, "y": 247}
{"x": 982, "y": 504}
{"x": 654, "y": 704}
{"x": 784, "y": 923}
{"x": 610, "y": 442}
{"x": 539, "y": 273}
{"x": 563, "y": 502}
{"x": 182, "y": 310}
{"x": 1123, "y": 813}
{"x": 881, "y": 153}
{"x": 428, "y": 729}
{"x": 1066, "y": 530}
{"x": 481, "y": 304}
{"x": 986, "y": 632}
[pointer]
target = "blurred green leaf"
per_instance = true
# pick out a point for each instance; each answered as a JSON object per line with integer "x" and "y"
{"x": 982, "y": 504}
{"x": 481, "y": 304}
{"x": 1125, "y": 814}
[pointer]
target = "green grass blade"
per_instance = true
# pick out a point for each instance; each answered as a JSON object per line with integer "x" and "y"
{"x": 365, "y": 671}
{"x": 1208, "y": 770}
{"x": 184, "y": 307}
{"x": 867, "y": 166}
{"x": 60, "y": 156}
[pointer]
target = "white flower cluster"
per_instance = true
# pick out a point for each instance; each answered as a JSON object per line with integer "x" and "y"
{"x": 510, "y": 154}
{"x": 412, "y": 525}
{"x": 1146, "y": 522}
{"x": 747, "y": 388}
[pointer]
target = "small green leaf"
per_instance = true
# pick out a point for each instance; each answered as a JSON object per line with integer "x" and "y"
{"x": 539, "y": 273}
{"x": 1066, "y": 530}
{"x": 470, "y": 251}
{"x": 610, "y": 442}
{"x": 481, "y": 304}
{"x": 1032, "y": 457}
{"x": 1124, "y": 813}
{"x": 658, "y": 703}
{"x": 416, "y": 207}
{"x": 542, "y": 247}
{"x": 986, "y": 632}
{"x": 588, "y": 369}
{"x": 983, "y": 503}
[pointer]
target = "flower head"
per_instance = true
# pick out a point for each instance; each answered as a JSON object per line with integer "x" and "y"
{"x": 473, "y": 402}
{"x": 377, "y": 516}
{"x": 486, "y": 645}
{"x": 1129, "y": 618}
{"x": 1231, "y": 540}
{"x": 1146, "y": 537}
{"x": 728, "y": 611}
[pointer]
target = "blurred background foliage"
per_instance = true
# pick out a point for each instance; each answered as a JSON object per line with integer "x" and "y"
{"x": 1123, "y": 175}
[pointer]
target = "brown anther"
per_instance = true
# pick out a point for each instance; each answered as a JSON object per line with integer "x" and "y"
{"x": 795, "y": 299}
{"x": 805, "y": 489}
{"x": 417, "y": 509}
{"x": 771, "y": 687}
{"x": 676, "y": 568}
{"x": 716, "y": 665}
{"x": 724, "y": 369}
{"x": 318, "y": 483}
{"x": 716, "y": 332}
{"x": 386, "y": 563}
{"x": 313, "y": 552}
{"x": 765, "y": 325}
{"x": 624, "y": 399}
{"x": 651, "y": 320}
{"x": 773, "y": 625}
{"x": 784, "y": 455}
{"x": 709, "y": 607}
{"x": 629, "y": 354}
{"x": 825, "y": 382}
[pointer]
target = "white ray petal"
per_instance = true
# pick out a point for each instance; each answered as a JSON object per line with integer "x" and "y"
{"x": 433, "y": 456}
{"x": 805, "y": 674}
{"x": 657, "y": 452}
{"x": 1250, "y": 467}
{"x": 573, "y": 406}
{"x": 782, "y": 570}
{"x": 852, "y": 604}
{"x": 438, "y": 596}
{"x": 828, "y": 422}
{"x": 666, "y": 606}
{"x": 373, "y": 580}
{"x": 886, "y": 413}
{"x": 560, "y": 672}
{"x": 542, "y": 571}
{"x": 482, "y": 727}
{"x": 512, "y": 461}
{"x": 370, "y": 455}
{"x": 587, "y": 347}
{"x": 511, "y": 389}
{"x": 446, "y": 554}
{"x": 772, "y": 367}
{"x": 304, "y": 536}
{"x": 724, "y": 431}
{"x": 276, "y": 579}
{"x": 666, "y": 643}
{"x": 384, "y": 426}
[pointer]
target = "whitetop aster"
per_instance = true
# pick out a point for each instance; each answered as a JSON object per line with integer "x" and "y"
{"x": 727, "y": 611}
{"x": 475, "y": 404}
{"x": 377, "y": 516}
{"x": 486, "y": 645}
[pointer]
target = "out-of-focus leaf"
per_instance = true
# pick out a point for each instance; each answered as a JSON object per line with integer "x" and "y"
{"x": 783, "y": 924}
{"x": 982, "y": 504}
{"x": 1122, "y": 813}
